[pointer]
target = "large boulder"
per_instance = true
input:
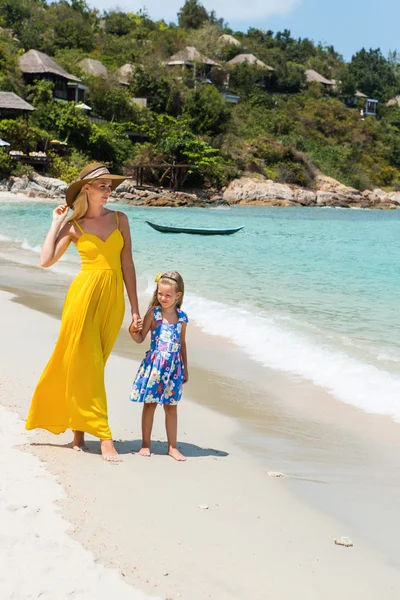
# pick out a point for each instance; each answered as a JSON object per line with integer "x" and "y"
{"x": 247, "y": 191}
{"x": 305, "y": 197}
{"x": 17, "y": 185}
{"x": 394, "y": 197}
{"x": 331, "y": 199}
{"x": 55, "y": 187}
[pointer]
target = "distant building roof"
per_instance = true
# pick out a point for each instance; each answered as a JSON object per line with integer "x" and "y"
{"x": 189, "y": 56}
{"x": 251, "y": 59}
{"x": 394, "y": 101}
{"x": 126, "y": 73}
{"x": 227, "y": 39}
{"x": 36, "y": 62}
{"x": 361, "y": 95}
{"x": 9, "y": 100}
{"x": 312, "y": 76}
{"x": 92, "y": 66}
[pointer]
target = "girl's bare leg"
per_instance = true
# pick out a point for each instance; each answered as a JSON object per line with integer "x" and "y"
{"x": 171, "y": 425}
{"x": 147, "y": 427}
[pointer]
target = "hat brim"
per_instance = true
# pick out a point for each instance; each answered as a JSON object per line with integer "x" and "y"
{"x": 75, "y": 187}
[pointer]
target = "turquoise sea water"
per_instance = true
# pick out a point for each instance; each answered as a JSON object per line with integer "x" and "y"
{"x": 314, "y": 292}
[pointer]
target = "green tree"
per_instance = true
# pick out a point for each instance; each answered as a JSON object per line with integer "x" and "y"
{"x": 109, "y": 100}
{"x": 244, "y": 78}
{"x": 192, "y": 15}
{"x": 68, "y": 27}
{"x": 118, "y": 23}
{"x": 159, "y": 87}
{"x": 206, "y": 111}
{"x": 373, "y": 74}
{"x": 40, "y": 93}
{"x": 14, "y": 14}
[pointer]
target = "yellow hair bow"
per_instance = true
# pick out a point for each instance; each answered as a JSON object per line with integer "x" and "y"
{"x": 158, "y": 277}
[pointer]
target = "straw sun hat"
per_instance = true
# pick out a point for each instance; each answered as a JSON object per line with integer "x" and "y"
{"x": 91, "y": 173}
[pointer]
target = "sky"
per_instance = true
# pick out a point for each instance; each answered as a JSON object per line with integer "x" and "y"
{"x": 348, "y": 25}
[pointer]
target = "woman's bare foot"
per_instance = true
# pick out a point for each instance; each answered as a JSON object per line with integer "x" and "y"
{"x": 108, "y": 451}
{"x": 78, "y": 442}
{"x": 144, "y": 451}
{"x": 174, "y": 452}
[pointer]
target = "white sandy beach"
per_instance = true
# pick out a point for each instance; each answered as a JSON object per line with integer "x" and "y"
{"x": 38, "y": 557}
{"x": 143, "y": 518}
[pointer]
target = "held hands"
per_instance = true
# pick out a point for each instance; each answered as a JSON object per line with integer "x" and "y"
{"x": 137, "y": 324}
{"x": 59, "y": 213}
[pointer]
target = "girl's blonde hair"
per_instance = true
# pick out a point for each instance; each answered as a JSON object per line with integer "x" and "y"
{"x": 80, "y": 206}
{"x": 169, "y": 278}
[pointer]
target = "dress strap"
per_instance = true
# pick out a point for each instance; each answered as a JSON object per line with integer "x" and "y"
{"x": 117, "y": 219}
{"x": 78, "y": 226}
{"x": 157, "y": 314}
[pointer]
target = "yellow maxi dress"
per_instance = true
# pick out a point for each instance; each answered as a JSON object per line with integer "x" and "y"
{"x": 71, "y": 392}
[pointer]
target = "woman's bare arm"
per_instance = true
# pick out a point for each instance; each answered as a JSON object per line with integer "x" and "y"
{"x": 58, "y": 238}
{"x": 128, "y": 267}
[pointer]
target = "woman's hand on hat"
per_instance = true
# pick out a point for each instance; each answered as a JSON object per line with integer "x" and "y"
{"x": 60, "y": 212}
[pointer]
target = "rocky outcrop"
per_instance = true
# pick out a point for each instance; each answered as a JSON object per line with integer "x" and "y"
{"x": 254, "y": 191}
{"x": 35, "y": 185}
{"x": 130, "y": 194}
{"x": 246, "y": 190}
{"x": 328, "y": 193}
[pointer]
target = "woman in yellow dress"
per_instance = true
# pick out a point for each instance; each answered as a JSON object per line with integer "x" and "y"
{"x": 71, "y": 392}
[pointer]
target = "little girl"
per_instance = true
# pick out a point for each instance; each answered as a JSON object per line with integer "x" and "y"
{"x": 163, "y": 370}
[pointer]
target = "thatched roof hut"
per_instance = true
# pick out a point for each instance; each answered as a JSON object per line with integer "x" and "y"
{"x": 92, "y": 66}
{"x": 34, "y": 62}
{"x": 189, "y": 56}
{"x": 228, "y": 40}
{"x": 11, "y": 102}
{"x": 314, "y": 77}
{"x": 251, "y": 60}
{"x": 394, "y": 101}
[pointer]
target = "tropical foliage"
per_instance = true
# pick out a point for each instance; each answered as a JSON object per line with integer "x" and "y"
{"x": 282, "y": 127}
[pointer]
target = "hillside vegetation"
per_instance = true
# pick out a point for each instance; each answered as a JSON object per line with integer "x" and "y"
{"x": 282, "y": 127}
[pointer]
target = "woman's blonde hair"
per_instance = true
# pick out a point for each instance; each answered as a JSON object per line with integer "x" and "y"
{"x": 169, "y": 278}
{"x": 80, "y": 206}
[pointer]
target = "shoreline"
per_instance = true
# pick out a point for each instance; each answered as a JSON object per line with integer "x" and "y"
{"x": 241, "y": 192}
{"x": 287, "y": 425}
{"x": 340, "y": 463}
{"x": 121, "y": 522}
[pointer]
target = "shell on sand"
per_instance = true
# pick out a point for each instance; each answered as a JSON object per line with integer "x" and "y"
{"x": 275, "y": 474}
{"x": 343, "y": 541}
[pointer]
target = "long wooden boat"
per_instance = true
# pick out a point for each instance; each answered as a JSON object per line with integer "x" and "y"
{"x": 192, "y": 230}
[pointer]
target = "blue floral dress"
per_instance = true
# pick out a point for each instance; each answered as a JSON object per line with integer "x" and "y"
{"x": 161, "y": 373}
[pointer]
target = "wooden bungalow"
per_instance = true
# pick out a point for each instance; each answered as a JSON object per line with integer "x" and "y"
{"x": 191, "y": 60}
{"x": 267, "y": 78}
{"x": 94, "y": 67}
{"x": 314, "y": 77}
{"x": 228, "y": 40}
{"x": 251, "y": 60}
{"x": 12, "y": 106}
{"x": 36, "y": 66}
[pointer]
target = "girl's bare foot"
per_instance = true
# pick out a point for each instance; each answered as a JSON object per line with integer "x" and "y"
{"x": 78, "y": 443}
{"x": 108, "y": 451}
{"x": 174, "y": 452}
{"x": 144, "y": 451}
